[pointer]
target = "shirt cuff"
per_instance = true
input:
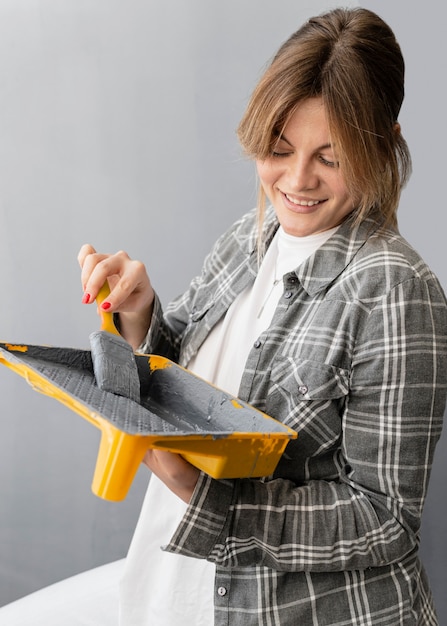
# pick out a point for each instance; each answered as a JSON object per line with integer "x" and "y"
{"x": 205, "y": 518}
{"x": 156, "y": 319}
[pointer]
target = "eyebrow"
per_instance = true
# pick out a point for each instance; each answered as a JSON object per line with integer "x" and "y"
{"x": 325, "y": 146}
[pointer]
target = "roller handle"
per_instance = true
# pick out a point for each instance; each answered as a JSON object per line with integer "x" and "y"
{"x": 107, "y": 322}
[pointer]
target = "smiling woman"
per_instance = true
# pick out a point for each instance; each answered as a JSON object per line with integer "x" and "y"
{"x": 302, "y": 177}
{"x": 338, "y": 65}
{"x": 315, "y": 310}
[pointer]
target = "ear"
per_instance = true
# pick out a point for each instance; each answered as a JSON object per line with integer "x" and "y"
{"x": 396, "y": 128}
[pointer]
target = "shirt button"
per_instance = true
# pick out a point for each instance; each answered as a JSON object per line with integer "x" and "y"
{"x": 257, "y": 343}
{"x": 303, "y": 389}
{"x": 287, "y": 295}
{"x": 222, "y": 591}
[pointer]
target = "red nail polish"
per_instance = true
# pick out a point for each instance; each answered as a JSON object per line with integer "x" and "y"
{"x": 86, "y": 298}
{"x": 105, "y": 306}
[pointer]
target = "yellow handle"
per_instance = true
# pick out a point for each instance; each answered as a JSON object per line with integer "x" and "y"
{"x": 107, "y": 322}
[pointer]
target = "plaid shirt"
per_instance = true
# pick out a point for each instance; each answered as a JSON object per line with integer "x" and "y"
{"x": 355, "y": 361}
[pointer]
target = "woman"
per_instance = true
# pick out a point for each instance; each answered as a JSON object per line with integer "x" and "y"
{"x": 318, "y": 312}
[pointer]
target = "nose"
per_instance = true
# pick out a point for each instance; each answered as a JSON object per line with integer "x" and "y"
{"x": 302, "y": 173}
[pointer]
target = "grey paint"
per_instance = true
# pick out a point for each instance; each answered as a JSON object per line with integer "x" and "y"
{"x": 114, "y": 364}
{"x": 117, "y": 125}
{"x": 173, "y": 402}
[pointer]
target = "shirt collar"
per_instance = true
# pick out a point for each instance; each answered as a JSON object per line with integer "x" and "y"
{"x": 332, "y": 258}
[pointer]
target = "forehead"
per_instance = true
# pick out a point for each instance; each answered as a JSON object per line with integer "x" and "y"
{"x": 308, "y": 121}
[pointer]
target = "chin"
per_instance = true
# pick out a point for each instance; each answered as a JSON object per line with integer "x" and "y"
{"x": 299, "y": 230}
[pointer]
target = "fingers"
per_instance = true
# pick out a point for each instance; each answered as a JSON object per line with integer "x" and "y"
{"x": 130, "y": 288}
{"x": 85, "y": 250}
{"x": 93, "y": 276}
{"x": 177, "y": 474}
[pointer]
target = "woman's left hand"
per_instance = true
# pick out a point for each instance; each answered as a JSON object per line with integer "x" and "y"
{"x": 177, "y": 474}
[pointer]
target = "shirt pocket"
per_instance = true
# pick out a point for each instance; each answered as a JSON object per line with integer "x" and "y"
{"x": 310, "y": 380}
{"x": 300, "y": 388}
{"x": 309, "y": 397}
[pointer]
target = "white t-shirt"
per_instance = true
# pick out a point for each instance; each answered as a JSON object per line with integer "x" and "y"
{"x": 160, "y": 588}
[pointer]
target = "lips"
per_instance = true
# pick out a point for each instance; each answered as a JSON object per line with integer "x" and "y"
{"x": 302, "y": 202}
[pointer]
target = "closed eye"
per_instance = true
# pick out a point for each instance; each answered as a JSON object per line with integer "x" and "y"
{"x": 327, "y": 162}
{"x": 280, "y": 154}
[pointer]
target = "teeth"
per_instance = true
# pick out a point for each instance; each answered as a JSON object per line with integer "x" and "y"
{"x": 303, "y": 202}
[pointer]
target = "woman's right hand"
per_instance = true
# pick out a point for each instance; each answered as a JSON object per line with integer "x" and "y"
{"x": 131, "y": 292}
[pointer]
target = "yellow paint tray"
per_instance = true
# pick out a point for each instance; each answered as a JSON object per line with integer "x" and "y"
{"x": 178, "y": 411}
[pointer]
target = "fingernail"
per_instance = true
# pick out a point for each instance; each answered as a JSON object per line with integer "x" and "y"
{"x": 86, "y": 298}
{"x": 105, "y": 306}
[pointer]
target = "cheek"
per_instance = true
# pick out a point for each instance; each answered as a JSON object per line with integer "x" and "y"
{"x": 266, "y": 173}
{"x": 340, "y": 191}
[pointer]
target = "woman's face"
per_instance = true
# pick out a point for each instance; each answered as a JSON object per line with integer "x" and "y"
{"x": 301, "y": 178}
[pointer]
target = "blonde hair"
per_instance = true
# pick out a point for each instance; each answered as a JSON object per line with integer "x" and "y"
{"x": 351, "y": 59}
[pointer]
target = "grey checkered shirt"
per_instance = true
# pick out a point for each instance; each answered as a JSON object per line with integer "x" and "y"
{"x": 355, "y": 361}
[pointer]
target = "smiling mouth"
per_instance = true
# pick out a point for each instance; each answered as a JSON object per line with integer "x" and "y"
{"x": 309, "y": 203}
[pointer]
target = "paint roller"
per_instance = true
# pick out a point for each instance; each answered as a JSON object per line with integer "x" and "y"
{"x": 113, "y": 358}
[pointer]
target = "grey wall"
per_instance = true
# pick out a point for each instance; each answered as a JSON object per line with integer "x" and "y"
{"x": 117, "y": 127}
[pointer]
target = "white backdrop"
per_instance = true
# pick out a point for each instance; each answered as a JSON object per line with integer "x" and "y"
{"x": 117, "y": 127}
